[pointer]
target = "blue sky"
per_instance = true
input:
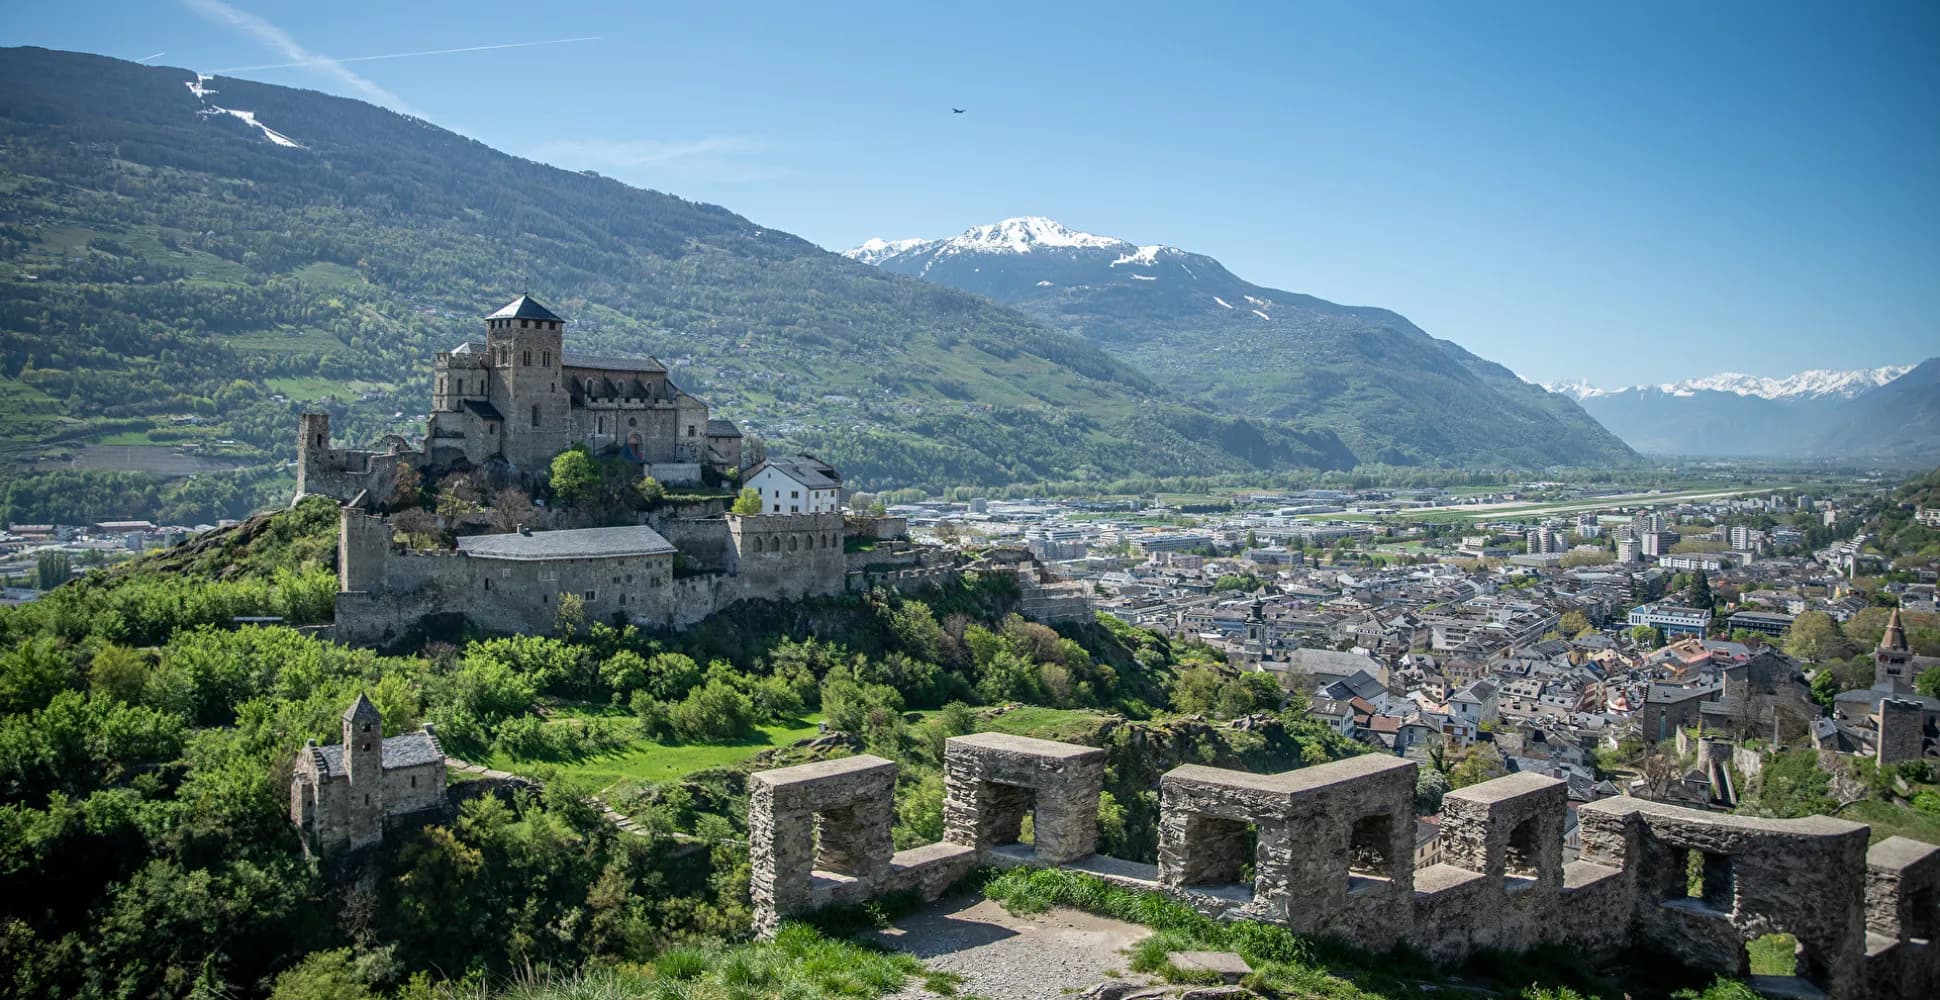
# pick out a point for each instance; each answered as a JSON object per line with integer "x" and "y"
{"x": 1624, "y": 192}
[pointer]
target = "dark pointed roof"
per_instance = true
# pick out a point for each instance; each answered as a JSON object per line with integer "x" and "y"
{"x": 1893, "y": 640}
{"x": 362, "y": 710}
{"x": 525, "y": 307}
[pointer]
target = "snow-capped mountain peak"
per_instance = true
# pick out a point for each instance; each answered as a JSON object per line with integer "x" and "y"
{"x": 1024, "y": 234}
{"x": 1021, "y": 235}
{"x": 875, "y": 251}
{"x": 1814, "y": 384}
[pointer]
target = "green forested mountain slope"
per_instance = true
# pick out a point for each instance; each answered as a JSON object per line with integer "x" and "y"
{"x": 162, "y": 259}
{"x": 1393, "y": 393}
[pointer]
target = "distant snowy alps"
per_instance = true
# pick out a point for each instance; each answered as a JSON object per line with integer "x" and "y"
{"x": 1814, "y": 384}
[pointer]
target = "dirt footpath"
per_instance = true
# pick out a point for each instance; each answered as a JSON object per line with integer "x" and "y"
{"x": 1005, "y": 957}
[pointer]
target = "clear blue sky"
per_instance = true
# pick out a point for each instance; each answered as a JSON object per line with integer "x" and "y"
{"x": 1628, "y": 192}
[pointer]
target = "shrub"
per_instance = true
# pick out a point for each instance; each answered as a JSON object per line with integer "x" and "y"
{"x": 714, "y": 711}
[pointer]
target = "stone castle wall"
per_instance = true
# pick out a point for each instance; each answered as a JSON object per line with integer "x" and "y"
{"x": 343, "y": 474}
{"x": 785, "y": 557}
{"x": 1333, "y": 856}
{"x": 385, "y": 592}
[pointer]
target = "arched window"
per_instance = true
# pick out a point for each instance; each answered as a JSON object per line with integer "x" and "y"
{"x": 525, "y": 357}
{"x": 791, "y": 543}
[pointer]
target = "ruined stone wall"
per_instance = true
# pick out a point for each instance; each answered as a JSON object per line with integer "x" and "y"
{"x": 340, "y": 473}
{"x": 1902, "y": 730}
{"x": 1332, "y": 855}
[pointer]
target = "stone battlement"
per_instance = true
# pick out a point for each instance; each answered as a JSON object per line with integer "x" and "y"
{"x": 1332, "y": 855}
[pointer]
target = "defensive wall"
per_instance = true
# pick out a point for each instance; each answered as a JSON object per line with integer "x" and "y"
{"x": 1331, "y": 851}
{"x": 342, "y": 473}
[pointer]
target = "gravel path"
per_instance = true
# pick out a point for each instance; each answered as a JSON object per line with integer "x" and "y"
{"x": 1005, "y": 957}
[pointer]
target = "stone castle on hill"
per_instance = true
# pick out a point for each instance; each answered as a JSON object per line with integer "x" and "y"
{"x": 519, "y": 398}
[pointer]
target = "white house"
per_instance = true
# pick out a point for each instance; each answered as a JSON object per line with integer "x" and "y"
{"x": 797, "y": 485}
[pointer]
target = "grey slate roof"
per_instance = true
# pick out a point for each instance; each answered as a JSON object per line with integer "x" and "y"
{"x": 570, "y": 360}
{"x": 811, "y": 473}
{"x": 717, "y": 427}
{"x": 484, "y": 409}
{"x": 362, "y": 710}
{"x": 407, "y": 750}
{"x": 525, "y": 307}
{"x": 581, "y": 543}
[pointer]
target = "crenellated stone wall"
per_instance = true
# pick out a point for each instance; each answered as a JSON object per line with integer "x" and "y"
{"x": 1331, "y": 851}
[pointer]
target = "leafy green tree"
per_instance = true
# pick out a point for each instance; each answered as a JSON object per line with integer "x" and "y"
{"x": 51, "y": 569}
{"x": 407, "y": 489}
{"x": 1701, "y": 591}
{"x": 1574, "y": 623}
{"x": 713, "y": 711}
{"x": 119, "y": 673}
{"x": 1482, "y": 763}
{"x": 748, "y": 502}
{"x": 569, "y": 619}
{"x": 575, "y": 476}
{"x": 650, "y": 489}
{"x": 324, "y": 975}
{"x": 1815, "y": 636}
{"x": 1430, "y": 786}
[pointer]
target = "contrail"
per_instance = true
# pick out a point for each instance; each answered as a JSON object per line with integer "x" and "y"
{"x": 280, "y": 40}
{"x": 406, "y": 55}
{"x": 157, "y": 55}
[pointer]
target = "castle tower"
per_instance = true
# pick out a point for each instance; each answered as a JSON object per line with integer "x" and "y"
{"x": 1893, "y": 659}
{"x": 364, "y": 766}
{"x": 312, "y": 447}
{"x": 525, "y": 344}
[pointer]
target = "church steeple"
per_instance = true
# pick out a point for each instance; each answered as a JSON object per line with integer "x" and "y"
{"x": 1893, "y": 658}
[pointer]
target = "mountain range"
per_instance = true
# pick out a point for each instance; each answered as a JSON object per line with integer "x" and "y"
{"x": 1813, "y": 414}
{"x": 1389, "y": 391}
{"x": 187, "y": 262}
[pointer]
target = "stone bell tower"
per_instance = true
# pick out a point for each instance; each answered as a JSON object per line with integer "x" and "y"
{"x": 1893, "y": 659}
{"x": 364, "y": 766}
{"x": 524, "y": 342}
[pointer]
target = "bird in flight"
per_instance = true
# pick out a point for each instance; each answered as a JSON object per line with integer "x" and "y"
{"x": 956, "y": 111}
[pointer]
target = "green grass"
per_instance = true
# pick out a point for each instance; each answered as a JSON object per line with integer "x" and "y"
{"x": 328, "y": 275}
{"x": 801, "y": 963}
{"x": 308, "y": 387}
{"x": 133, "y": 438}
{"x": 1285, "y": 963}
{"x": 1889, "y": 819}
{"x": 1065, "y": 724}
{"x": 651, "y": 761}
